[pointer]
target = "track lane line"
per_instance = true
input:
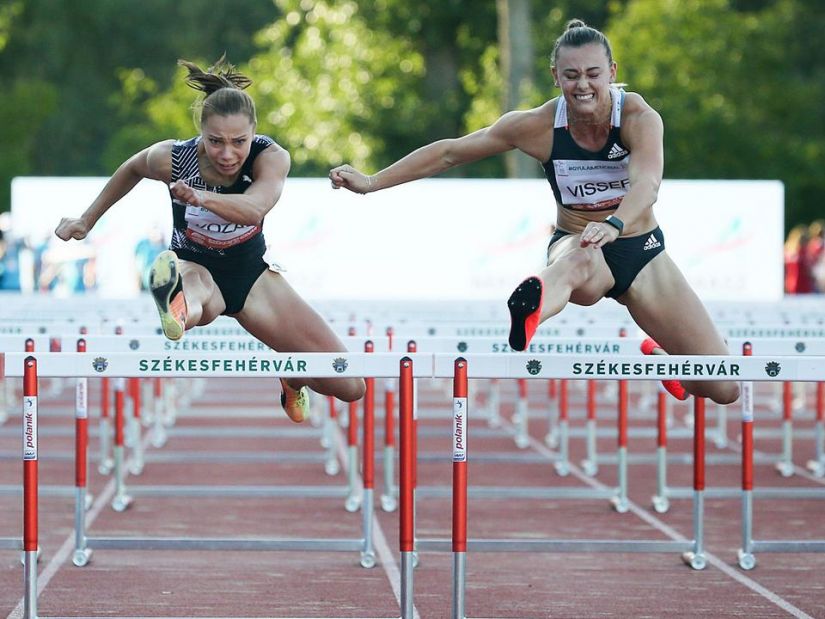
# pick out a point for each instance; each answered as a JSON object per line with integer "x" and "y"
{"x": 676, "y": 536}
{"x": 385, "y": 555}
{"x": 67, "y": 548}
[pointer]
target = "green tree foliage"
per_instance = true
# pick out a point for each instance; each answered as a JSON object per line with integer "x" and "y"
{"x": 739, "y": 83}
{"x": 740, "y": 91}
{"x": 23, "y": 106}
{"x": 8, "y": 12}
{"x": 348, "y": 82}
{"x": 328, "y": 85}
{"x": 460, "y": 88}
{"x": 25, "y": 103}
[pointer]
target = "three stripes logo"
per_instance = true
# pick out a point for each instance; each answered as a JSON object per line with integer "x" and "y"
{"x": 616, "y": 151}
{"x": 651, "y": 243}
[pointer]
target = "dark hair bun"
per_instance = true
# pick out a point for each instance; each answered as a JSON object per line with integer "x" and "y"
{"x": 575, "y": 23}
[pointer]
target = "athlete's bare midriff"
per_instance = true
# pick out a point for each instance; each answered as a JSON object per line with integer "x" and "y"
{"x": 574, "y": 221}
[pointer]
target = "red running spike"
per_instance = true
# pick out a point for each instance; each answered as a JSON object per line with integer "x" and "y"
{"x": 673, "y": 387}
{"x": 525, "y": 310}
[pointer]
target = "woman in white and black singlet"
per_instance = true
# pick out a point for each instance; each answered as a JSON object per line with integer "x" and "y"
{"x": 222, "y": 184}
{"x": 602, "y": 151}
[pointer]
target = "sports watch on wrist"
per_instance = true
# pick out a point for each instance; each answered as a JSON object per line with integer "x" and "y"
{"x": 616, "y": 223}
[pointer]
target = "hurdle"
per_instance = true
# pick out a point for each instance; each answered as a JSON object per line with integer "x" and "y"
{"x": 329, "y": 439}
{"x": 574, "y": 324}
{"x": 117, "y": 365}
{"x": 27, "y": 343}
{"x": 356, "y": 492}
{"x": 82, "y": 497}
{"x": 353, "y": 491}
{"x": 30, "y": 470}
{"x": 229, "y": 344}
{"x": 389, "y": 502}
{"x": 746, "y": 554}
{"x": 802, "y": 330}
{"x": 608, "y": 346}
{"x": 766, "y": 349}
{"x": 13, "y": 343}
{"x": 785, "y": 465}
{"x": 739, "y": 368}
{"x": 817, "y": 464}
{"x": 117, "y": 462}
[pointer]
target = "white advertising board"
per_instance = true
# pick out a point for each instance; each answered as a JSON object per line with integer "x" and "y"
{"x": 434, "y": 239}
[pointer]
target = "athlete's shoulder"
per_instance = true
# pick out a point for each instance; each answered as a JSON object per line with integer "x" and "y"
{"x": 533, "y": 119}
{"x": 539, "y": 113}
{"x": 263, "y": 144}
{"x": 163, "y": 146}
{"x": 159, "y": 159}
{"x": 265, "y": 154}
{"x": 641, "y": 124}
{"x": 635, "y": 106}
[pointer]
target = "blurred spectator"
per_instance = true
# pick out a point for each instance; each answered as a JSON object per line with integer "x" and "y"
{"x": 9, "y": 263}
{"x": 798, "y": 276}
{"x": 816, "y": 253}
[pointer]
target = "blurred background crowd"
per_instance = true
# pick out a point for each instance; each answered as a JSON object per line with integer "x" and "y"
{"x": 49, "y": 265}
{"x": 805, "y": 258}
{"x": 52, "y": 266}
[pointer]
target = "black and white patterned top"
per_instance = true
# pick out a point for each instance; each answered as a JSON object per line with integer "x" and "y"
{"x": 199, "y": 230}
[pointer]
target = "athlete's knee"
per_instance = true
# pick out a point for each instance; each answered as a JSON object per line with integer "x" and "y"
{"x": 576, "y": 264}
{"x": 350, "y": 389}
{"x": 726, "y": 393}
{"x": 720, "y": 392}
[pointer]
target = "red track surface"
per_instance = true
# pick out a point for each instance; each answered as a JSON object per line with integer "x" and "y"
{"x": 332, "y": 584}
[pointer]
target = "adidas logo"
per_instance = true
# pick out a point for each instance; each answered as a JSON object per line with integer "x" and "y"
{"x": 651, "y": 243}
{"x": 616, "y": 151}
{"x": 246, "y": 178}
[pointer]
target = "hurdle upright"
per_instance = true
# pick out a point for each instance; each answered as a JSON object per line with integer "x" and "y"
{"x": 745, "y": 555}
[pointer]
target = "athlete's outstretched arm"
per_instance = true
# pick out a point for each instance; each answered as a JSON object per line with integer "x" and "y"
{"x": 436, "y": 157}
{"x": 154, "y": 162}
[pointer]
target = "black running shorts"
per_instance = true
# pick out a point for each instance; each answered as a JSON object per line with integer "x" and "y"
{"x": 234, "y": 276}
{"x": 625, "y": 257}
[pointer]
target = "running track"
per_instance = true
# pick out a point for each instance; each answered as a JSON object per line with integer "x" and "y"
{"x": 121, "y": 583}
